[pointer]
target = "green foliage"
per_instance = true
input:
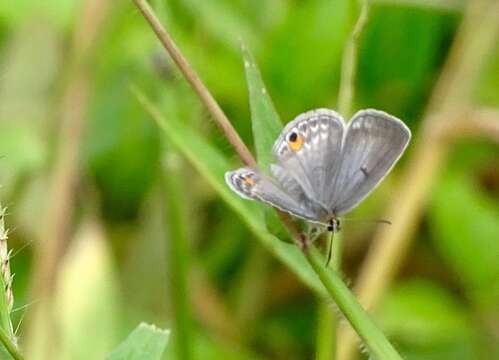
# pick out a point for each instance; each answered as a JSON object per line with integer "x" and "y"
{"x": 450, "y": 312}
{"x": 145, "y": 342}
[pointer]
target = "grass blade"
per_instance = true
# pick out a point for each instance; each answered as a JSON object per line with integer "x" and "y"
{"x": 265, "y": 121}
{"x": 145, "y": 342}
{"x": 374, "y": 339}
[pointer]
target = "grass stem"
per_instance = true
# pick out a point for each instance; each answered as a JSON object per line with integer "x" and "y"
{"x": 197, "y": 85}
{"x": 374, "y": 339}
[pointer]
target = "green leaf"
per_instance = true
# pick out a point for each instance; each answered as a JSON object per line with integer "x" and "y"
{"x": 145, "y": 342}
{"x": 212, "y": 165}
{"x": 266, "y": 126}
{"x": 264, "y": 118}
{"x": 466, "y": 232}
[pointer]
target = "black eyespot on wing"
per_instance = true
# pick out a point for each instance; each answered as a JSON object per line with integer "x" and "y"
{"x": 293, "y": 136}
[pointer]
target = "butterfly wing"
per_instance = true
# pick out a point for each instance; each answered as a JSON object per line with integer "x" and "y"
{"x": 373, "y": 143}
{"x": 251, "y": 184}
{"x": 309, "y": 150}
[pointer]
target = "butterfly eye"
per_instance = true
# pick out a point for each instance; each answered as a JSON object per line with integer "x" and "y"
{"x": 295, "y": 141}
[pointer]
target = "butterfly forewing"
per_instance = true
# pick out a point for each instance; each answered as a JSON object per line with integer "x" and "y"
{"x": 309, "y": 150}
{"x": 373, "y": 143}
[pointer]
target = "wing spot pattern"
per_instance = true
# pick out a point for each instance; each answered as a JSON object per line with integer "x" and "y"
{"x": 295, "y": 141}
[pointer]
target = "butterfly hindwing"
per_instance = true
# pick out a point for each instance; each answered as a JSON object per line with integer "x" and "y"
{"x": 252, "y": 184}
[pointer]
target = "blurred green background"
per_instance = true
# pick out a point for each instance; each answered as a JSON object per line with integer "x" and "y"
{"x": 130, "y": 190}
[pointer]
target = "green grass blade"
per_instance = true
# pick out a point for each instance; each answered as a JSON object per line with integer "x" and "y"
{"x": 266, "y": 127}
{"x": 145, "y": 342}
{"x": 212, "y": 166}
{"x": 370, "y": 334}
{"x": 265, "y": 121}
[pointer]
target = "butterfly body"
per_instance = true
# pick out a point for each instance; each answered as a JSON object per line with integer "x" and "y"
{"x": 323, "y": 168}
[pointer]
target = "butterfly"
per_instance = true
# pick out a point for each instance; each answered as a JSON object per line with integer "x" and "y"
{"x": 324, "y": 167}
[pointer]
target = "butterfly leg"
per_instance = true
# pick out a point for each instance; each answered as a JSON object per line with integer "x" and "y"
{"x": 310, "y": 235}
{"x": 313, "y": 232}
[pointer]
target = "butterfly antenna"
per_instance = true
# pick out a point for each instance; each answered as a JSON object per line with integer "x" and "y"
{"x": 376, "y": 221}
{"x": 330, "y": 251}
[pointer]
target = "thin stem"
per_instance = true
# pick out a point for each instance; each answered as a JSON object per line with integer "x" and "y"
{"x": 374, "y": 339}
{"x": 197, "y": 85}
{"x": 349, "y": 64}
{"x": 10, "y": 346}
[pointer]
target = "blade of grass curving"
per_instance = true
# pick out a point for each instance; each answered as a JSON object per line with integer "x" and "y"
{"x": 266, "y": 126}
{"x": 265, "y": 121}
{"x": 212, "y": 166}
{"x": 374, "y": 339}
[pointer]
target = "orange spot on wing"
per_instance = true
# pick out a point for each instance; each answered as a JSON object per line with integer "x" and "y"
{"x": 296, "y": 144}
{"x": 249, "y": 181}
